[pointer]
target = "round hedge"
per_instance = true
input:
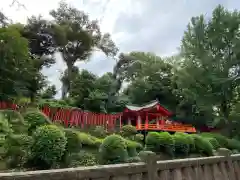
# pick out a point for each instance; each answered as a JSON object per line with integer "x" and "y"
{"x": 99, "y": 131}
{"x": 17, "y": 150}
{"x": 35, "y": 119}
{"x": 139, "y": 138}
{"x": 182, "y": 144}
{"x": 113, "y": 150}
{"x": 49, "y": 143}
{"x": 128, "y": 131}
{"x": 73, "y": 140}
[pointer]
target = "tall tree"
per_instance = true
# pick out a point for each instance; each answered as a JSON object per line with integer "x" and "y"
{"x": 16, "y": 66}
{"x": 210, "y": 50}
{"x": 77, "y": 36}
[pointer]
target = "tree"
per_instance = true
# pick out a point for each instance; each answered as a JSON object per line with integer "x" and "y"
{"x": 16, "y": 66}
{"x": 49, "y": 92}
{"x": 149, "y": 78}
{"x": 211, "y": 63}
{"x": 77, "y": 36}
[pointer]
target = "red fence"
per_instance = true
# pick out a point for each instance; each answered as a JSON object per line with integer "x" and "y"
{"x": 73, "y": 117}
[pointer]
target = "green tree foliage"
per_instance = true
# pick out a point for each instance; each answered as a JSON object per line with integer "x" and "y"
{"x": 77, "y": 36}
{"x": 49, "y": 92}
{"x": 207, "y": 75}
{"x": 16, "y": 66}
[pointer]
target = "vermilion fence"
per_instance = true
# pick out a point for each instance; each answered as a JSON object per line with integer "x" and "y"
{"x": 73, "y": 117}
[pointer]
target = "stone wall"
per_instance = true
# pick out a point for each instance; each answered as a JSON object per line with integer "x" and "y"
{"x": 211, "y": 168}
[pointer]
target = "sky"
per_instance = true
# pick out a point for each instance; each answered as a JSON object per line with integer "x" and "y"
{"x": 135, "y": 25}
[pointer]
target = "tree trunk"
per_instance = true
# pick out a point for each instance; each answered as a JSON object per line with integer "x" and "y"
{"x": 67, "y": 87}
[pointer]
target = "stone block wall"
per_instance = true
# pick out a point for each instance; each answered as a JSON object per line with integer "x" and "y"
{"x": 210, "y": 168}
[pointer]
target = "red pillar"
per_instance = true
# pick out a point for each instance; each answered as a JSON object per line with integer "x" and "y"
{"x": 146, "y": 121}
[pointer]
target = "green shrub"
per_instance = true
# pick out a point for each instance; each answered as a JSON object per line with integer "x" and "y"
{"x": 99, "y": 131}
{"x": 73, "y": 140}
{"x": 233, "y": 144}
{"x": 182, "y": 144}
{"x": 35, "y": 119}
{"x": 113, "y": 150}
{"x": 222, "y": 140}
{"x": 153, "y": 142}
{"x": 145, "y": 154}
{"x": 49, "y": 143}
{"x": 17, "y": 150}
{"x": 203, "y": 146}
{"x": 81, "y": 158}
{"x": 128, "y": 131}
{"x": 160, "y": 142}
{"x": 139, "y": 138}
{"x": 88, "y": 140}
{"x": 16, "y": 120}
{"x": 214, "y": 143}
{"x": 5, "y": 126}
{"x": 133, "y": 147}
{"x": 134, "y": 159}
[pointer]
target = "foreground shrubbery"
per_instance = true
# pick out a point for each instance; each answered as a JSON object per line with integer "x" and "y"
{"x": 44, "y": 145}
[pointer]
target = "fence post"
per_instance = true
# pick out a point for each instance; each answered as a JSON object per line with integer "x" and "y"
{"x": 151, "y": 162}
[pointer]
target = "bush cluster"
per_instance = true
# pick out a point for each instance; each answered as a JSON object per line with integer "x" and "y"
{"x": 45, "y": 145}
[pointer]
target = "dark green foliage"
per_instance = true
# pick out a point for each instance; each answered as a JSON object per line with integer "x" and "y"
{"x": 35, "y": 119}
{"x": 81, "y": 158}
{"x": 233, "y": 144}
{"x": 182, "y": 144}
{"x": 49, "y": 143}
{"x": 73, "y": 141}
{"x": 113, "y": 150}
{"x": 17, "y": 150}
{"x": 99, "y": 131}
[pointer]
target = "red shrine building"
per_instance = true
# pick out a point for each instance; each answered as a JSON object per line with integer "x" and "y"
{"x": 152, "y": 116}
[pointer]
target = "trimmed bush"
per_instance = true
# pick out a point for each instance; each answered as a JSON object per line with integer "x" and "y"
{"x": 128, "y": 131}
{"x": 49, "y": 143}
{"x": 16, "y": 120}
{"x": 153, "y": 142}
{"x": 89, "y": 141}
{"x": 99, "y": 131}
{"x": 139, "y": 138}
{"x": 203, "y": 146}
{"x": 133, "y": 147}
{"x": 17, "y": 150}
{"x": 182, "y": 144}
{"x": 35, "y": 119}
{"x": 145, "y": 154}
{"x": 160, "y": 142}
{"x": 113, "y": 150}
{"x": 233, "y": 144}
{"x": 81, "y": 158}
{"x": 214, "y": 143}
{"x": 222, "y": 140}
{"x": 73, "y": 141}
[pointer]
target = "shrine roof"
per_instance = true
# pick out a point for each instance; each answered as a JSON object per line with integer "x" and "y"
{"x": 148, "y": 106}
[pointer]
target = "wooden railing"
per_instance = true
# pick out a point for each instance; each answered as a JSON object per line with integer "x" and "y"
{"x": 167, "y": 127}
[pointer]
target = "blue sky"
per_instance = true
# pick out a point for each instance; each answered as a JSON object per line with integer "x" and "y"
{"x": 135, "y": 25}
